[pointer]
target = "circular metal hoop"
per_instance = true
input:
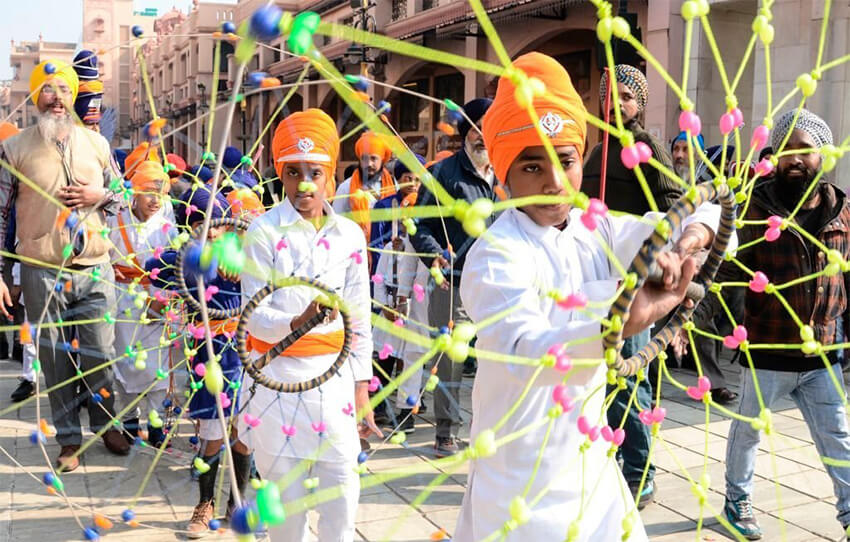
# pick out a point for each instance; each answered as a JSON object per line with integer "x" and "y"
{"x": 254, "y": 367}
{"x": 644, "y": 261}
{"x": 183, "y": 290}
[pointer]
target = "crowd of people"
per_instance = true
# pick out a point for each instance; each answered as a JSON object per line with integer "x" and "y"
{"x": 93, "y": 239}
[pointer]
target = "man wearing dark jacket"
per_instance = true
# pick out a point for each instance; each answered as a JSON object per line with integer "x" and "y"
{"x": 466, "y": 176}
{"x": 805, "y": 370}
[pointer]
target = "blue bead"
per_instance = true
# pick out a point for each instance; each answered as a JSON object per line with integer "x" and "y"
{"x": 177, "y": 410}
{"x": 36, "y": 437}
{"x": 446, "y": 254}
{"x": 228, "y": 27}
{"x": 128, "y": 515}
{"x": 193, "y": 439}
{"x": 72, "y": 220}
{"x": 411, "y": 400}
{"x": 91, "y": 533}
{"x": 362, "y": 457}
{"x": 255, "y": 79}
{"x": 454, "y": 116}
{"x": 128, "y": 184}
{"x": 49, "y": 68}
{"x": 48, "y": 478}
{"x": 57, "y": 287}
{"x": 96, "y": 398}
{"x": 214, "y": 524}
{"x": 445, "y": 330}
{"x": 243, "y": 520}
{"x": 137, "y": 441}
{"x": 138, "y": 31}
{"x": 264, "y": 24}
{"x": 361, "y": 84}
{"x": 166, "y": 403}
{"x": 384, "y": 106}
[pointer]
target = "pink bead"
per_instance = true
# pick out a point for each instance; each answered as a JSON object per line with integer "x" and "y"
{"x": 759, "y": 282}
{"x": 619, "y": 437}
{"x": 563, "y": 363}
{"x": 727, "y": 123}
{"x": 378, "y": 278}
{"x": 252, "y": 421}
{"x": 740, "y": 333}
{"x": 597, "y": 207}
{"x": 606, "y": 433}
{"x": 731, "y": 342}
{"x": 154, "y": 273}
{"x": 166, "y": 227}
{"x": 211, "y": 291}
{"x": 630, "y": 157}
{"x": 703, "y": 383}
{"x": 644, "y": 152}
{"x": 200, "y": 370}
{"x": 774, "y": 221}
{"x": 695, "y": 394}
{"x": 772, "y": 234}
{"x": 288, "y": 430}
{"x": 645, "y": 417}
{"x": 658, "y": 414}
{"x": 583, "y": 425}
{"x": 190, "y": 209}
{"x": 386, "y": 351}
{"x": 225, "y": 400}
{"x": 738, "y": 116}
{"x": 356, "y": 257}
{"x": 319, "y": 427}
{"x": 419, "y": 293}
{"x": 593, "y": 433}
{"x": 398, "y": 322}
{"x": 157, "y": 252}
{"x": 764, "y": 167}
{"x": 759, "y": 136}
{"x": 589, "y": 221}
{"x": 281, "y": 244}
{"x": 690, "y": 122}
{"x": 573, "y": 301}
{"x": 374, "y": 384}
{"x": 159, "y": 297}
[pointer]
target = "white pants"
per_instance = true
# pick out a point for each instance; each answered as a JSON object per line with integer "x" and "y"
{"x": 336, "y": 517}
{"x": 151, "y": 401}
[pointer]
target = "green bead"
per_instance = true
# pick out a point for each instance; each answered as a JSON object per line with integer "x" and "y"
{"x": 95, "y": 274}
{"x": 353, "y": 79}
{"x": 269, "y": 505}
{"x": 108, "y": 318}
{"x": 160, "y": 374}
{"x": 246, "y": 161}
{"x": 234, "y": 384}
{"x": 36, "y": 365}
{"x": 67, "y": 251}
{"x": 451, "y": 105}
{"x": 209, "y": 155}
{"x": 115, "y": 185}
{"x": 57, "y": 483}
{"x": 301, "y": 36}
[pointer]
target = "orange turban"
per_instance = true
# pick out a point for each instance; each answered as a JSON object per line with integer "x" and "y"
{"x": 307, "y": 136}
{"x": 372, "y": 143}
{"x": 244, "y": 200}
{"x": 140, "y": 154}
{"x": 7, "y": 130}
{"x": 148, "y": 176}
{"x": 508, "y": 128}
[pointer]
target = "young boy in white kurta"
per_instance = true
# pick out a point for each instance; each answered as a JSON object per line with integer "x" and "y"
{"x": 576, "y": 492}
{"x": 316, "y": 429}
{"x": 136, "y": 232}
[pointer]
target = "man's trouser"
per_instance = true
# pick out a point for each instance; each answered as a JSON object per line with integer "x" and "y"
{"x": 84, "y": 299}
{"x": 445, "y": 305}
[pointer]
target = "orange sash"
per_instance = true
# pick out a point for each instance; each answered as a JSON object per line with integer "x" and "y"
{"x": 314, "y": 344}
{"x": 129, "y": 273}
{"x": 220, "y": 327}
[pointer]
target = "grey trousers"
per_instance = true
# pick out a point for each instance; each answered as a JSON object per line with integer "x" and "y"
{"x": 86, "y": 299}
{"x": 441, "y": 309}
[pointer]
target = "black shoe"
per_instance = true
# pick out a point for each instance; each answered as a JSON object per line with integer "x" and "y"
{"x": 469, "y": 369}
{"x": 407, "y": 423}
{"x": 445, "y": 447}
{"x": 131, "y": 430}
{"x": 156, "y": 436}
{"x": 740, "y": 515}
{"x": 24, "y": 390}
{"x": 723, "y": 396}
{"x": 422, "y": 408}
{"x": 647, "y": 495}
{"x": 381, "y": 415}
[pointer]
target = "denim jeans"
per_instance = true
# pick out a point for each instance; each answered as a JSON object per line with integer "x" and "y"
{"x": 822, "y": 406}
{"x": 635, "y": 449}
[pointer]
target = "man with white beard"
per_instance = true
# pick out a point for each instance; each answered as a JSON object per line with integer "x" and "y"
{"x": 60, "y": 208}
{"x": 679, "y": 150}
{"x": 467, "y": 175}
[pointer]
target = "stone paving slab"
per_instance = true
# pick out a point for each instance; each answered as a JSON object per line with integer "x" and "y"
{"x": 108, "y": 484}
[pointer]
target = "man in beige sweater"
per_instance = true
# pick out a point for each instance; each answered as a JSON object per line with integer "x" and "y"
{"x": 46, "y": 172}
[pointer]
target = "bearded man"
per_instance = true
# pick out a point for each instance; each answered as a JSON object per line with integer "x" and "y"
{"x": 59, "y": 194}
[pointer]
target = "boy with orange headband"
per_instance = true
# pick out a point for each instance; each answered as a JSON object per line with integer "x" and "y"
{"x": 135, "y": 233}
{"x": 304, "y": 237}
{"x": 570, "y": 488}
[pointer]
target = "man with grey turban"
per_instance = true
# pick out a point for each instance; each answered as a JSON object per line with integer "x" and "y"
{"x": 796, "y": 367}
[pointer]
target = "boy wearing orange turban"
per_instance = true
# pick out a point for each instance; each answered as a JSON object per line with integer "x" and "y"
{"x": 369, "y": 183}
{"x": 526, "y": 254}
{"x": 303, "y": 236}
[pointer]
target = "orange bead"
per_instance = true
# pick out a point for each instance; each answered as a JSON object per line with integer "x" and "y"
{"x": 216, "y": 34}
{"x": 102, "y": 522}
{"x": 75, "y": 344}
{"x": 26, "y": 333}
{"x": 451, "y": 324}
{"x": 63, "y": 216}
{"x": 446, "y": 128}
{"x": 438, "y": 535}
{"x": 51, "y": 490}
{"x": 270, "y": 82}
{"x": 45, "y": 429}
{"x": 104, "y": 393}
{"x": 133, "y": 523}
{"x": 68, "y": 285}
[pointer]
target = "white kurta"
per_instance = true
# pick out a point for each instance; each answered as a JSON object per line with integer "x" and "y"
{"x": 144, "y": 237}
{"x": 330, "y": 256}
{"x": 402, "y": 280}
{"x": 516, "y": 270}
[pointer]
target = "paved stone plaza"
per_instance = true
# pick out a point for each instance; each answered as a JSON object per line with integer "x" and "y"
{"x": 107, "y": 484}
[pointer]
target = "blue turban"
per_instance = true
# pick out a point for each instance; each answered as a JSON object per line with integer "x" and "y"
{"x": 473, "y": 109}
{"x": 232, "y": 158}
{"x": 120, "y": 155}
{"x": 243, "y": 178}
{"x": 199, "y": 196}
{"x": 85, "y": 64}
{"x": 201, "y": 172}
{"x": 683, "y": 137}
{"x": 89, "y": 99}
{"x": 400, "y": 169}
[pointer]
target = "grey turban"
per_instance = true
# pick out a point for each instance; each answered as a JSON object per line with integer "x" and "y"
{"x": 810, "y": 123}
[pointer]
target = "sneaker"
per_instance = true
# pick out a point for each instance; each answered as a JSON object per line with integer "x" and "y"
{"x": 407, "y": 423}
{"x": 25, "y": 390}
{"x": 445, "y": 447}
{"x": 740, "y": 515}
{"x": 199, "y": 525}
{"x": 647, "y": 494}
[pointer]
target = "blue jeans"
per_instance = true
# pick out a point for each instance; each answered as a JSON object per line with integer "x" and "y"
{"x": 635, "y": 449}
{"x": 822, "y": 406}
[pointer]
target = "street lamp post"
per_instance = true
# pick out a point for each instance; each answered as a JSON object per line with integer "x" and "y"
{"x": 202, "y": 108}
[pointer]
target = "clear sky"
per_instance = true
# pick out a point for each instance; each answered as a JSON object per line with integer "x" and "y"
{"x": 57, "y": 20}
